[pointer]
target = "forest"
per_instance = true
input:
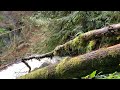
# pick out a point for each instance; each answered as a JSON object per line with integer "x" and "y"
{"x": 59, "y": 44}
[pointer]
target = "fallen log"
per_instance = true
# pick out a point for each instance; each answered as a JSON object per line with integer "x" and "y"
{"x": 83, "y": 43}
{"x": 105, "y": 59}
{"x": 80, "y": 44}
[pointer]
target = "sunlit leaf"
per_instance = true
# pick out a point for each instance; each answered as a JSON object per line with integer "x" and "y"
{"x": 92, "y": 75}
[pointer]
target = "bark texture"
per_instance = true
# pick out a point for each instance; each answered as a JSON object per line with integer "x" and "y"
{"x": 89, "y": 41}
{"x": 104, "y": 59}
{"x": 85, "y": 42}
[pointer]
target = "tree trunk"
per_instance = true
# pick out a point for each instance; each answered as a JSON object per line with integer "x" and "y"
{"x": 85, "y": 42}
{"x": 104, "y": 59}
{"x": 81, "y": 43}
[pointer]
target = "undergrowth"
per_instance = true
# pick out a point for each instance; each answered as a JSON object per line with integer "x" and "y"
{"x": 66, "y": 25}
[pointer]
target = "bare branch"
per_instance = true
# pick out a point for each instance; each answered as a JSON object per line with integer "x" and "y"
{"x": 27, "y": 65}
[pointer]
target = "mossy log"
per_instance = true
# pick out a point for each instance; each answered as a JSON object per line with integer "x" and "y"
{"x": 85, "y": 42}
{"x": 89, "y": 41}
{"x": 105, "y": 59}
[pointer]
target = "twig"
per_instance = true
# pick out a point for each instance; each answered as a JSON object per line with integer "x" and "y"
{"x": 26, "y": 65}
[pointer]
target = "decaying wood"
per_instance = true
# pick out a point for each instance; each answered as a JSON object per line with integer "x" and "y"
{"x": 104, "y": 59}
{"x": 106, "y": 31}
{"x": 78, "y": 44}
{"x": 86, "y": 37}
{"x": 38, "y": 57}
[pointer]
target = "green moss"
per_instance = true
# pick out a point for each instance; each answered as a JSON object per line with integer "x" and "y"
{"x": 59, "y": 68}
{"x": 79, "y": 66}
{"x": 77, "y": 42}
{"x": 74, "y": 67}
{"x": 65, "y": 68}
{"x": 91, "y": 46}
{"x": 37, "y": 74}
{"x": 73, "y": 47}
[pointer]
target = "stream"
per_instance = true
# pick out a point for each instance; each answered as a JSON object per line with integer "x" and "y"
{"x": 19, "y": 68}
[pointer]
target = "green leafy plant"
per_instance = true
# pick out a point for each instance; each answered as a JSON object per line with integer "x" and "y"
{"x": 90, "y": 76}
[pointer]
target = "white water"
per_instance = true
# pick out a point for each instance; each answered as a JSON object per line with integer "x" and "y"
{"x": 18, "y": 69}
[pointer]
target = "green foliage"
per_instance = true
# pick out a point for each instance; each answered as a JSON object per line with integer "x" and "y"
{"x": 115, "y": 75}
{"x": 2, "y": 30}
{"x": 92, "y": 75}
{"x": 91, "y": 45}
{"x": 65, "y": 25}
{"x": 51, "y": 14}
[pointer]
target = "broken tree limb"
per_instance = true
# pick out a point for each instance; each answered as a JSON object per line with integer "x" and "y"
{"x": 27, "y": 65}
{"x": 49, "y": 55}
{"x": 105, "y": 59}
{"x": 38, "y": 57}
{"x": 106, "y": 31}
{"x": 83, "y": 43}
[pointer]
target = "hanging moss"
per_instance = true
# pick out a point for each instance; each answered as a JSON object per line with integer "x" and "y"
{"x": 72, "y": 47}
{"x": 91, "y": 46}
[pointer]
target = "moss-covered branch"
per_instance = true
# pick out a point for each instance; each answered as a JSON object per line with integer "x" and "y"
{"x": 105, "y": 59}
{"x": 86, "y": 42}
{"x": 91, "y": 40}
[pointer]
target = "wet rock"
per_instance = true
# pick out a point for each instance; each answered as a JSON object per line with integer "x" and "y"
{"x": 44, "y": 64}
